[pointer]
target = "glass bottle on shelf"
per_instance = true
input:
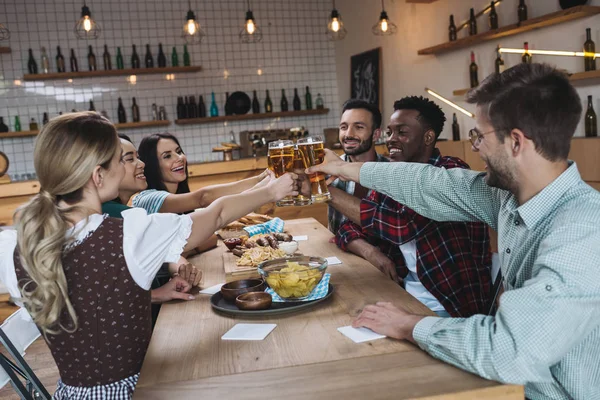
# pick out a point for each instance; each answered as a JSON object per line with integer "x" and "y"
{"x": 255, "y": 103}
{"x": 3, "y": 126}
{"x": 92, "y": 59}
{"x": 201, "y": 107}
{"x": 526, "y": 58}
{"x": 186, "y": 56}
{"x": 319, "y": 102}
{"x": 192, "y": 108}
{"x": 92, "y": 108}
{"x": 268, "y": 104}
{"x": 31, "y": 64}
{"x": 149, "y": 61}
{"x": 227, "y": 108}
{"x": 473, "y": 72}
{"x": 162, "y": 59}
{"x": 120, "y": 64}
{"x": 154, "y": 112}
{"x": 308, "y": 97}
{"x": 296, "y": 103}
{"x": 493, "y": 17}
{"x": 45, "y": 118}
{"x": 60, "y": 61}
{"x": 106, "y": 59}
{"x": 135, "y": 59}
{"x": 174, "y": 58}
{"x": 591, "y": 121}
{"x": 162, "y": 113}
{"x": 135, "y": 111}
{"x": 73, "y": 62}
{"x": 589, "y": 47}
{"x": 45, "y": 61}
{"x": 452, "y": 29}
{"x": 455, "y": 128}
{"x": 33, "y": 126}
{"x": 472, "y": 23}
{"x": 181, "y": 112}
{"x": 17, "y": 124}
{"x": 214, "y": 110}
{"x": 522, "y": 11}
{"x": 499, "y": 63}
{"x": 122, "y": 117}
{"x": 284, "y": 102}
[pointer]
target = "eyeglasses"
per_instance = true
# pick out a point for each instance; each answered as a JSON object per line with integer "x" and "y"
{"x": 475, "y": 137}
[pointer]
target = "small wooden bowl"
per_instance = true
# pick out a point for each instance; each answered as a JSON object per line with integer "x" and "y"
{"x": 254, "y": 301}
{"x": 233, "y": 289}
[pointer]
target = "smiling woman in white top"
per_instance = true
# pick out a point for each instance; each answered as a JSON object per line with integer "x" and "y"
{"x": 84, "y": 277}
{"x": 167, "y": 177}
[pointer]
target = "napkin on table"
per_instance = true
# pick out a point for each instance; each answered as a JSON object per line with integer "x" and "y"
{"x": 272, "y": 226}
{"x": 318, "y": 292}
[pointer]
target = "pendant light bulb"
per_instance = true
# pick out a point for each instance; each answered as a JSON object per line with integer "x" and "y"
{"x": 251, "y": 32}
{"x": 384, "y": 27}
{"x": 86, "y": 27}
{"x": 335, "y": 27}
{"x": 192, "y": 32}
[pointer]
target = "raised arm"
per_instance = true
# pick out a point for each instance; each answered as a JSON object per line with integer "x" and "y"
{"x": 229, "y": 208}
{"x": 346, "y": 204}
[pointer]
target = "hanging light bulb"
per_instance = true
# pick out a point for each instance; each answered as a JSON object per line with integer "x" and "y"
{"x": 192, "y": 32}
{"x": 86, "y": 27}
{"x": 4, "y": 32}
{"x": 250, "y": 33}
{"x": 335, "y": 27}
{"x": 384, "y": 27}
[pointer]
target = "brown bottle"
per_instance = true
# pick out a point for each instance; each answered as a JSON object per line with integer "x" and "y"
{"x": 60, "y": 61}
{"x": 135, "y": 112}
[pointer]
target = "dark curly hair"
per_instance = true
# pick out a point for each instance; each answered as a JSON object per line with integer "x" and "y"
{"x": 430, "y": 116}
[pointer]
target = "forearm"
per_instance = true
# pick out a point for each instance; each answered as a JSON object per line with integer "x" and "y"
{"x": 346, "y": 204}
{"x": 211, "y": 193}
{"x": 361, "y": 248}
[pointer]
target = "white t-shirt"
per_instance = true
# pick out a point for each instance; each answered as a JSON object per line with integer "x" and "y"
{"x": 148, "y": 242}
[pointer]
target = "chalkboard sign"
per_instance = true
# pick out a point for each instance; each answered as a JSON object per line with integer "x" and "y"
{"x": 365, "y": 76}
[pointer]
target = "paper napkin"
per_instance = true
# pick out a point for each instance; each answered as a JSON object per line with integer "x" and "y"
{"x": 272, "y": 226}
{"x": 212, "y": 290}
{"x": 359, "y": 335}
{"x": 300, "y": 238}
{"x": 249, "y": 332}
{"x": 333, "y": 261}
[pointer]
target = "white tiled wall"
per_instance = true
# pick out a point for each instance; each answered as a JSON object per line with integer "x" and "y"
{"x": 294, "y": 52}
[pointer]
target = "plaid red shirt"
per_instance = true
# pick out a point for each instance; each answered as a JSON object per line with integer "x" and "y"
{"x": 453, "y": 258}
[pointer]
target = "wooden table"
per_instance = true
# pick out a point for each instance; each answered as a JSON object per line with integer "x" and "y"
{"x": 305, "y": 357}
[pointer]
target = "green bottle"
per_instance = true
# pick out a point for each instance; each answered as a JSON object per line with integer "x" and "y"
{"x": 308, "y": 99}
{"x": 119, "y": 59}
{"x": 186, "y": 56}
{"x": 17, "y": 124}
{"x": 214, "y": 110}
{"x": 174, "y": 58}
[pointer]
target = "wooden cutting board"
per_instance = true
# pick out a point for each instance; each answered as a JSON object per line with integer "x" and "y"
{"x": 235, "y": 273}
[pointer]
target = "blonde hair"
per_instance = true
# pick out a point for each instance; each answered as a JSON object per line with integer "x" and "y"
{"x": 66, "y": 152}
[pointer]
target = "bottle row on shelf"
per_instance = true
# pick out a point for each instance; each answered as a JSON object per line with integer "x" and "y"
{"x": 492, "y": 19}
{"x": 135, "y": 61}
{"x": 239, "y": 103}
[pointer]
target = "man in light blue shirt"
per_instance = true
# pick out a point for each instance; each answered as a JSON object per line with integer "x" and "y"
{"x": 546, "y": 333}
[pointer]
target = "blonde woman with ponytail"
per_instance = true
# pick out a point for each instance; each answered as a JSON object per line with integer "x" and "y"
{"x": 85, "y": 277}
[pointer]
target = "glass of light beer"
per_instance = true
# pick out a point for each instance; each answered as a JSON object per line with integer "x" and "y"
{"x": 280, "y": 161}
{"x": 312, "y": 151}
{"x": 299, "y": 168}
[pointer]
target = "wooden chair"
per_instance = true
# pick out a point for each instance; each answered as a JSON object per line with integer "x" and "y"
{"x": 17, "y": 333}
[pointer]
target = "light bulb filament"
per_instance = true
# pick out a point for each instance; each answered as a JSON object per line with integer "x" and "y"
{"x": 250, "y": 27}
{"x": 87, "y": 24}
{"x": 191, "y": 26}
{"x": 335, "y": 25}
{"x": 384, "y": 25}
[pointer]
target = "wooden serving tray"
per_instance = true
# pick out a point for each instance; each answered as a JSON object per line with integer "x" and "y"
{"x": 235, "y": 273}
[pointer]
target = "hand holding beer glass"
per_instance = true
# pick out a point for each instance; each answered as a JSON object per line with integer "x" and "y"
{"x": 280, "y": 161}
{"x": 312, "y": 152}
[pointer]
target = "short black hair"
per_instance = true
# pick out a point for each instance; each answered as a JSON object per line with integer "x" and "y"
{"x": 537, "y": 99}
{"x": 125, "y": 137}
{"x": 147, "y": 153}
{"x": 357, "y": 104}
{"x": 431, "y": 115}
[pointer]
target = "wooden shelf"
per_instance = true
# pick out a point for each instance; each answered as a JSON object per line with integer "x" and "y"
{"x": 546, "y": 20}
{"x": 421, "y": 1}
{"x": 141, "y": 124}
{"x": 112, "y": 72}
{"x": 5, "y": 50}
{"x": 247, "y": 117}
{"x": 5, "y": 135}
{"x": 577, "y": 77}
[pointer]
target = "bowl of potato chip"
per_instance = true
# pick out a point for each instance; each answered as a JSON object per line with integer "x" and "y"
{"x": 293, "y": 278}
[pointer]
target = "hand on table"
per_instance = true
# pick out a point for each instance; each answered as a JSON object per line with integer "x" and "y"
{"x": 176, "y": 289}
{"x": 386, "y": 319}
{"x": 190, "y": 273}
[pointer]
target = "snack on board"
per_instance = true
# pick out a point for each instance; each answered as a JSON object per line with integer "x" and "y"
{"x": 248, "y": 220}
{"x": 254, "y": 256}
{"x": 294, "y": 281}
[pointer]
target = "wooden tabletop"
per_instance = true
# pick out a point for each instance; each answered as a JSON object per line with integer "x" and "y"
{"x": 305, "y": 356}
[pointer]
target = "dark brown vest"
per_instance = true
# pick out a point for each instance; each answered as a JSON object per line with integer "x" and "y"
{"x": 114, "y": 320}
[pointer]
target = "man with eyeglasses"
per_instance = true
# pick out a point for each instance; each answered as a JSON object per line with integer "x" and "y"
{"x": 445, "y": 265}
{"x": 358, "y": 131}
{"x": 546, "y": 332}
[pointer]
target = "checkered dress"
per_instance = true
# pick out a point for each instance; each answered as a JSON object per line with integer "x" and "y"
{"x": 120, "y": 390}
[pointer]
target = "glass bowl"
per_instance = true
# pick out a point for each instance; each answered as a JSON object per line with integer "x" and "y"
{"x": 293, "y": 278}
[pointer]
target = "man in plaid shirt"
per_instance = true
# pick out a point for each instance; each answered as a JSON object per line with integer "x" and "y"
{"x": 446, "y": 265}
